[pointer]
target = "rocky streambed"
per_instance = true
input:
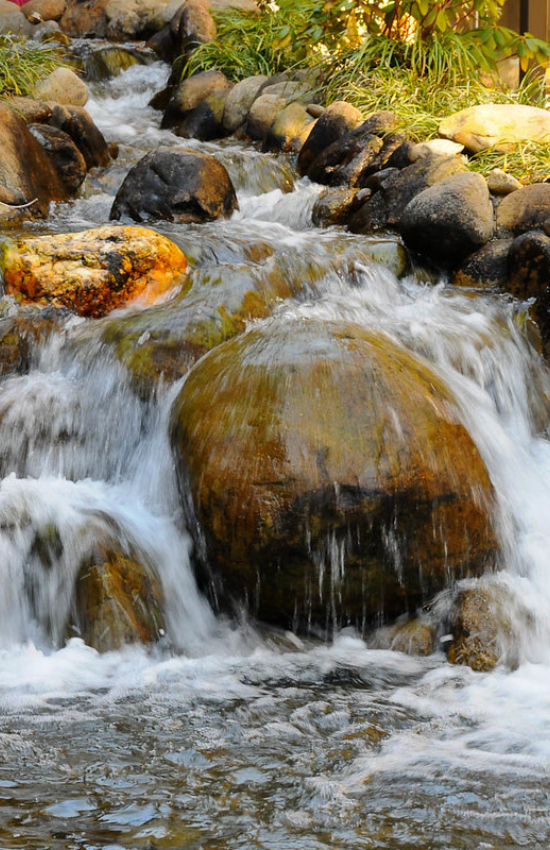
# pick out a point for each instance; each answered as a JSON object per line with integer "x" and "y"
{"x": 227, "y": 515}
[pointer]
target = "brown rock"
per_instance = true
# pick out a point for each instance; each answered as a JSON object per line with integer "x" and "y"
{"x": 118, "y": 601}
{"x": 28, "y": 177}
{"x": 526, "y": 209}
{"x": 49, "y": 10}
{"x": 262, "y": 114}
{"x": 78, "y": 124}
{"x": 69, "y": 162}
{"x": 92, "y": 272}
{"x": 85, "y": 18}
{"x": 487, "y": 267}
{"x": 336, "y": 121}
{"x": 329, "y": 474}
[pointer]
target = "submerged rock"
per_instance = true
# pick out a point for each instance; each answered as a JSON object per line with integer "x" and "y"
{"x": 327, "y": 476}
{"x": 176, "y": 184}
{"x": 92, "y": 272}
{"x": 118, "y": 601}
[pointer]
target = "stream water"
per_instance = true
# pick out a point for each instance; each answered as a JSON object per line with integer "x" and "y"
{"x": 227, "y": 737}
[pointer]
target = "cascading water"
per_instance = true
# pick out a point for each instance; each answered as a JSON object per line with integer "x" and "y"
{"x": 223, "y": 737}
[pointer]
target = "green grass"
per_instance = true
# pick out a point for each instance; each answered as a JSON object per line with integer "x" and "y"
{"x": 420, "y": 83}
{"x": 23, "y": 65}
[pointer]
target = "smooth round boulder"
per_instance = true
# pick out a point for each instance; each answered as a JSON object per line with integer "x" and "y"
{"x": 191, "y": 93}
{"x": 327, "y": 476}
{"x": 92, "y": 272}
{"x": 449, "y": 220}
{"x": 49, "y": 10}
{"x": 78, "y": 124}
{"x": 177, "y": 185}
{"x": 85, "y": 19}
{"x": 486, "y": 268}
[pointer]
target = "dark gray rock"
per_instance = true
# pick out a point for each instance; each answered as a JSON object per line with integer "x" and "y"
{"x": 337, "y": 121}
{"x": 449, "y": 220}
{"x": 485, "y": 268}
{"x": 175, "y": 184}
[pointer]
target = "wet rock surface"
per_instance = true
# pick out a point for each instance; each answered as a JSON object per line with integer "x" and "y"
{"x": 292, "y": 442}
{"x": 176, "y": 184}
{"x": 92, "y": 272}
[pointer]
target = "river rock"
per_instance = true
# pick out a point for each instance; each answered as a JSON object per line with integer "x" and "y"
{"x": 239, "y": 100}
{"x": 526, "y": 209}
{"x": 32, "y": 111}
{"x": 21, "y": 335}
{"x": 435, "y": 147}
{"x": 49, "y": 10}
{"x": 385, "y": 208}
{"x": 338, "y": 120}
{"x": 205, "y": 122}
{"x": 529, "y": 277}
{"x": 117, "y": 601}
{"x": 69, "y": 162}
{"x": 486, "y": 267}
{"x": 289, "y": 129}
{"x": 63, "y": 86}
{"x": 413, "y": 637}
{"x": 85, "y": 19}
{"x": 262, "y": 114}
{"x": 496, "y": 125}
{"x": 165, "y": 341}
{"x": 335, "y": 206}
{"x": 92, "y": 272}
{"x": 192, "y": 25}
{"x": 192, "y": 92}
{"x": 14, "y": 22}
{"x": 176, "y": 184}
{"x": 28, "y": 177}
{"x": 449, "y": 220}
{"x": 483, "y": 623}
{"x": 78, "y": 124}
{"x": 329, "y": 475}
{"x": 131, "y": 19}
{"x": 500, "y": 182}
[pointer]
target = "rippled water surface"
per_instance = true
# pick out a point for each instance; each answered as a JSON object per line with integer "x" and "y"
{"x": 226, "y": 736}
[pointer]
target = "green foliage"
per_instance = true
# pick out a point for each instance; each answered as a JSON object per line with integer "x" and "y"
{"x": 22, "y": 65}
{"x": 449, "y": 38}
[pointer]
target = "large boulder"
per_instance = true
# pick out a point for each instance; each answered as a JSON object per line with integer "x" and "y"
{"x": 132, "y": 19}
{"x": 28, "y": 177}
{"x": 176, "y": 184}
{"x": 449, "y": 220}
{"x": 529, "y": 277}
{"x": 496, "y": 125}
{"x": 385, "y": 208}
{"x": 92, "y": 272}
{"x": 327, "y": 476}
{"x": 486, "y": 267}
{"x": 14, "y": 22}
{"x": 118, "y": 600}
{"x": 290, "y": 129}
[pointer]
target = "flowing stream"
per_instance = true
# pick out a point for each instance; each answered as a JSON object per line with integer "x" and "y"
{"x": 225, "y": 736}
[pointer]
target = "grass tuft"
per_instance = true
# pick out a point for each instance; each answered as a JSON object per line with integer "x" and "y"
{"x": 23, "y": 65}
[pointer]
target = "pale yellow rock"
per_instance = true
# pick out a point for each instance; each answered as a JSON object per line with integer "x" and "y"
{"x": 63, "y": 86}
{"x": 498, "y": 126}
{"x": 501, "y": 183}
{"x": 436, "y": 147}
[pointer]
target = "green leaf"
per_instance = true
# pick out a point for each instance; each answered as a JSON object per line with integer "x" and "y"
{"x": 442, "y": 21}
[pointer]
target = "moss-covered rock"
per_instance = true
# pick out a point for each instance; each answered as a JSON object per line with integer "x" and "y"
{"x": 330, "y": 475}
{"x": 118, "y": 600}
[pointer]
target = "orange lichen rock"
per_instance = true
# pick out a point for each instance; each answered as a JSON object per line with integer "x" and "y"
{"x": 95, "y": 271}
